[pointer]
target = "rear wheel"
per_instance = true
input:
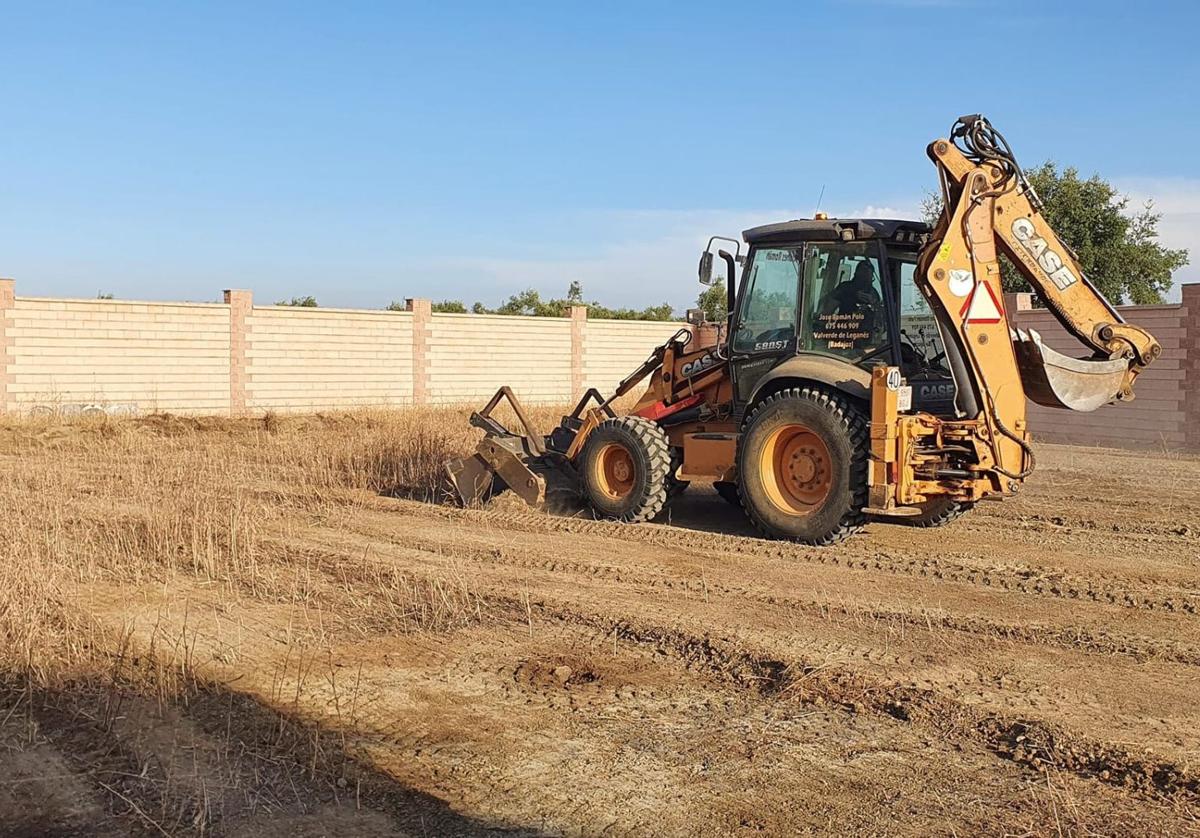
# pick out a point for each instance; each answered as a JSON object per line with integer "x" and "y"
{"x": 937, "y": 513}
{"x": 802, "y": 466}
{"x": 624, "y": 468}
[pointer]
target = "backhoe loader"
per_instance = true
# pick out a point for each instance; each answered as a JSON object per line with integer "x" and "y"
{"x": 867, "y": 369}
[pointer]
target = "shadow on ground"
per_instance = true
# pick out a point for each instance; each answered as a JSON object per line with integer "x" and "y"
{"x": 93, "y": 760}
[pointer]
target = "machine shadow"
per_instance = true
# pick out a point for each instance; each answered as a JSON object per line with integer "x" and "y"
{"x": 701, "y": 509}
{"x": 294, "y": 768}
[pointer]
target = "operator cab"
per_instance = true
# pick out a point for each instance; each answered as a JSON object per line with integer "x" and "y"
{"x": 843, "y": 289}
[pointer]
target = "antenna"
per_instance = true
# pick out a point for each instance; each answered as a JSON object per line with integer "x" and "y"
{"x": 820, "y": 198}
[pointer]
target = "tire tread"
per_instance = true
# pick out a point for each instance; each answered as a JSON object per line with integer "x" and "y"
{"x": 859, "y": 432}
{"x": 658, "y": 454}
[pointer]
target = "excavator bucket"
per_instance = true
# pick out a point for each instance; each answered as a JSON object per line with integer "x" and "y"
{"x": 1056, "y": 380}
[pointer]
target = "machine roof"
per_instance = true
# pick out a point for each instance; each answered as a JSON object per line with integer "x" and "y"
{"x": 830, "y": 229}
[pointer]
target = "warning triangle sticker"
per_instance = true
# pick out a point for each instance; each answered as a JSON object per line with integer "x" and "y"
{"x": 982, "y": 307}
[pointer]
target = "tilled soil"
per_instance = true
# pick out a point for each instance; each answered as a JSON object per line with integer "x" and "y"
{"x": 1032, "y": 668}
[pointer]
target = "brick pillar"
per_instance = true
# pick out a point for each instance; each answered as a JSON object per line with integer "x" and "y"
{"x": 705, "y": 335}
{"x": 422, "y": 312}
{"x": 578, "y": 330}
{"x": 1190, "y": 345}
{"x": 7, "y": 301}
{"x": 240, "y": 303}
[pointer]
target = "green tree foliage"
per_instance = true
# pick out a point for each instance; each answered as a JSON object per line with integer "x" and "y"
{"x": 531, "y": 304}
{"x": 445, "y": 306}
{"x": 1117, "y": 248}
{"x": 300, "y": 302}
{"x": 714, "y": 301}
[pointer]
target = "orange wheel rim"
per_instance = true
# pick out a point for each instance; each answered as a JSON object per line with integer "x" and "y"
{"x": 796, "y": 469}
{"x": 614, "y": 471}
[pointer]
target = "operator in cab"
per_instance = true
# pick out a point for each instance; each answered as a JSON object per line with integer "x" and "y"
{"x": 857, "y": 295}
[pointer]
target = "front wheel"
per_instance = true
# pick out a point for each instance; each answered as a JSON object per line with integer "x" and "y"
{"x": 802, "y": 466}
{"x": 624, "y": 468}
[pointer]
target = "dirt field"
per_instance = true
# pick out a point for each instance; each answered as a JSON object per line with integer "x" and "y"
{"x": 235, "y": 628}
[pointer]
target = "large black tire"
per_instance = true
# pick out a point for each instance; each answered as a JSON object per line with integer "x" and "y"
{"x": 936, "y": 513}
{"x": 624, "y": 467}
{"x": 802, "y": 466}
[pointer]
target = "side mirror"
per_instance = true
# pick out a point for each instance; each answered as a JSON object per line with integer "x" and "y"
{"x": 706, "y": 265}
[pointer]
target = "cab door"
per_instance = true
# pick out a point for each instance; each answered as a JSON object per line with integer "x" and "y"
{"x": 767, "y": 315}
{"x": 844, "y": 309}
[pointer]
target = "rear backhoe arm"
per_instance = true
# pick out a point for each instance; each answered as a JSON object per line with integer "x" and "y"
{"x": 986, "y": 192}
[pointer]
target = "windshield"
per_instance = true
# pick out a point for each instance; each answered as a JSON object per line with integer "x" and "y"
{"x": 768, "y": 315}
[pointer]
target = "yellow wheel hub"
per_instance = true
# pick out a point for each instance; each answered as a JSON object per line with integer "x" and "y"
{"x": 796, "y": 469}
{"x": 614, "y": 471}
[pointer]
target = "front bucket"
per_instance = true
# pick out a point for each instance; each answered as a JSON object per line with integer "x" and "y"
{"x": 1056, "y": 380}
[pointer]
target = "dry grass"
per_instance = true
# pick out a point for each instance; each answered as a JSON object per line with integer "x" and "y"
{"x": 135, "y": 500}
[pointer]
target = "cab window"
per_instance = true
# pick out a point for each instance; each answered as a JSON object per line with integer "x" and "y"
{"x": 767, "y": 321}
{"x": 922, "y": 352}
{"x": 844, "y": 313}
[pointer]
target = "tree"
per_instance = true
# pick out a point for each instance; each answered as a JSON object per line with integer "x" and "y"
{"x": 300, "y": 302}
{"x": 714, "y": 302}
{"x": 530, "y": 304}
{"x": 445, "y": 307}
{"x": 1117, "y": 249}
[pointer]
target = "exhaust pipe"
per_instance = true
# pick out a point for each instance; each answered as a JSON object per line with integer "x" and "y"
{"x": 1052, "y": 379}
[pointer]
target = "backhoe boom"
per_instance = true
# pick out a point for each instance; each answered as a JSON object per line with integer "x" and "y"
{"x": 1045, "y": 261}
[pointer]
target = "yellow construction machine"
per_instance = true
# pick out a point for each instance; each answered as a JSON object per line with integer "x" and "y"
{"x": 867, "y": 369}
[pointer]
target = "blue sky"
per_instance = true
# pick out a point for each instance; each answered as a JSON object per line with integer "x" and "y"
{"x": 364, "y": 152}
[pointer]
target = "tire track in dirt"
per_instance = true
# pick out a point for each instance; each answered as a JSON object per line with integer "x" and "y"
{"x": 947, "y": 704}
{"x": 828, "y": 668}
{"x": 1070, "y": 637}
{"x": 487, "y": 750}
{"x": 1035, "y": 744}
{"x": 1118, "y": 591}
{"x": 1185, "y": 534}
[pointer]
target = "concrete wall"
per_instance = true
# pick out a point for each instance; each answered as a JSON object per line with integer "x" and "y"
{"x": 470, "y": 356}
{"x": 1166, "y": 410}
{"x": 322, "y": 358}
{"x": 234, "y": 357}
{"x": 126, "y": 356}
{"x": 614, "y": 348}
